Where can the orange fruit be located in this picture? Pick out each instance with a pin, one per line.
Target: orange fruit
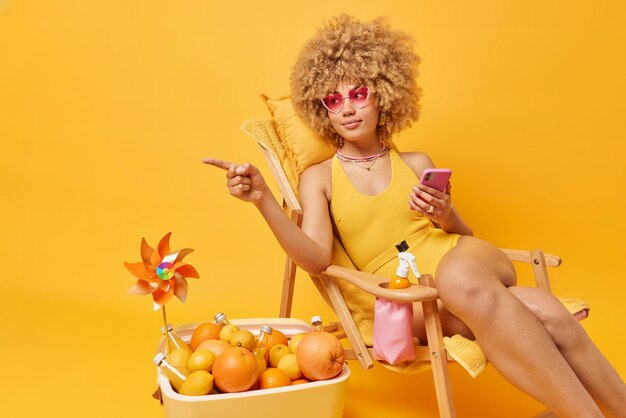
(320, 356)
(203, 332)
(300, 381)
(273, 378)
(235, 370)
(276, 337)
(216, 346)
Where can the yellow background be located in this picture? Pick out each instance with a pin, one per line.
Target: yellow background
(107, 107)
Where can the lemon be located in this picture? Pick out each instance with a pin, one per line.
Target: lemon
(289, 365)
(197, 383)
(178, 357)
(243, 338)
(295, 340)
(227, 332)
(201, 360)
(277, 352)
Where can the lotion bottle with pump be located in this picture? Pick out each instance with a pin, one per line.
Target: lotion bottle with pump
(401, 280)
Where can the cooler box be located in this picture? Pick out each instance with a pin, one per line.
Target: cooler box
(321, 399)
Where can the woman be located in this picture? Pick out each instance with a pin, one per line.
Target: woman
(355, 82)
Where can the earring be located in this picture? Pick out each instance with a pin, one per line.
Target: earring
(382, 119)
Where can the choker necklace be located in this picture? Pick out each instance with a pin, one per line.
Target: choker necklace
(365, 159)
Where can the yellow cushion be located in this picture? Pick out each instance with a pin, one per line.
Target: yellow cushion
(303, 146)
(264, 131)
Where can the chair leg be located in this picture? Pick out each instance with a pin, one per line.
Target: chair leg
(343, 313)
(289, 278)
(438, 356)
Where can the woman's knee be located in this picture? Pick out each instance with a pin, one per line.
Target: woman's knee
(465, 288)
(473, 272)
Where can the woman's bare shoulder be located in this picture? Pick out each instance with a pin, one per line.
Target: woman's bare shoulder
(418, 161)
(320, 169)
(317, 176)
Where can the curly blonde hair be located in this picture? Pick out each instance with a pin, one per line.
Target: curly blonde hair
(350, 51)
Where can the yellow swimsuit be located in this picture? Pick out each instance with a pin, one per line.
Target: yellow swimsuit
(370, 226)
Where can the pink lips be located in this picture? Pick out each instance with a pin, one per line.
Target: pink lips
(351, 124)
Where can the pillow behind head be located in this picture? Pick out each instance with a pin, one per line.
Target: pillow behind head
(303, 146)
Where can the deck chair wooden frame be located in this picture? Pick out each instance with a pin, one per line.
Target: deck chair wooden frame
(424, 292)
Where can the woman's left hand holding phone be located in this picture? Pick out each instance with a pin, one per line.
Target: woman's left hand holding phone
(432, 203)
(244, 181)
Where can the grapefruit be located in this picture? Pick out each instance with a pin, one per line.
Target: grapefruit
(320, 356)
(235, 370)
(216, 346)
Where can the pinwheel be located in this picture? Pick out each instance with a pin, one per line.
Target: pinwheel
(161, 273)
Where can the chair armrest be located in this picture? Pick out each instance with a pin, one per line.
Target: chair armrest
(539, 262)
(526, 257)
(371, 283)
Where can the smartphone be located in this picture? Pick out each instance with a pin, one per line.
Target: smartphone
(437, 178)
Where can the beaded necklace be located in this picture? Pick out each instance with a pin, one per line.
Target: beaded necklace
(366, 159)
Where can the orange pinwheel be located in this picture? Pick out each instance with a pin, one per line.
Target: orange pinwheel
(161, 273)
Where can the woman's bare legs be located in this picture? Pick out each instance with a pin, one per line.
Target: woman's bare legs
(591, 367)
(472, 280)
(593, 370)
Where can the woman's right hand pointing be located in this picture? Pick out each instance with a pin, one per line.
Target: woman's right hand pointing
(244, 181)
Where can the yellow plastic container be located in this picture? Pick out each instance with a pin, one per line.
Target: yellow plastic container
(322, 399)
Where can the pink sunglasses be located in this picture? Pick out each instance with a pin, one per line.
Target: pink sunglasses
(357, 96)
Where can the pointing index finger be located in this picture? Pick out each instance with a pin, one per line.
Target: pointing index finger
(224, 165)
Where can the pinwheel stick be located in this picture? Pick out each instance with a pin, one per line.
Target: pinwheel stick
(164, 321)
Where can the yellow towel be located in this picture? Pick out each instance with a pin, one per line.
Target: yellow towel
(577, 307)
(467, 353)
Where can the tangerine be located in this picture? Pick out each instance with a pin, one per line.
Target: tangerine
(300, 381)
(273, 378)
(203, 332)
(276, 337)
(320, 356)
(235, 370)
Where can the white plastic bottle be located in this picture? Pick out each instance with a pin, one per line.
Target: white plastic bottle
(401, 281)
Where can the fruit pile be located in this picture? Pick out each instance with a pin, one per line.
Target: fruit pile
(224, 359)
